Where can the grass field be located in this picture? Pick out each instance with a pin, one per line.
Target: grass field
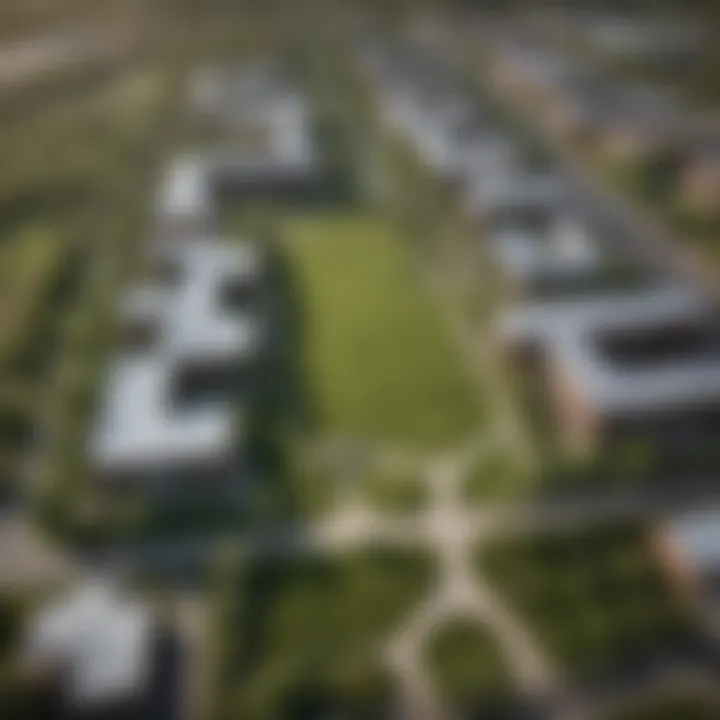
(467, 667)
(303, 638)
(595, 598)
(380, 365)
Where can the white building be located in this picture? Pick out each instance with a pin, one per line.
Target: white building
(99, 645)
(537, 258)
(646, 360)
(169, 409)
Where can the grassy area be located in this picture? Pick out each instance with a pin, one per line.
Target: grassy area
(378, 359)
(671, 707)
(394, 492)
(594, 597)
(301, 638)
(496, 475)
(466, 665)
(20, 697)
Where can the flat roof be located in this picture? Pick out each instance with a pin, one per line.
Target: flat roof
(568, 330)
(101, 638)
(184, 189)
(139, 426)
(565, 248)
(544, 321)
(506, 187)
(258, 96)
(697, 536)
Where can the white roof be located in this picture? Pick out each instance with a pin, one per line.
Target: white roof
(689, 382)
(566, 249)
(502, 188)
(139, 430)
(101, 638)
(568, 331)
(252, 97)
(544, 321)
(697, 536)
(185, 189)
(139, 427)
(446, 133)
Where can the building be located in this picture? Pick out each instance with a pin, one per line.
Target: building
(184, 206)
(688, 548)
(532, 76)
(262, 143)
(445, 130)
(620, 124)
(170, 412)
(500, 192)
(547, 257)
(642, 362)
(99, 647)
(422, 101)
(659, 39)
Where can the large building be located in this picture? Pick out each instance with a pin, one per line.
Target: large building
(98, 647)
(554, 255)
(422, 101)
(170, 412)
(502, 192)
(262, 144)
(641, 362)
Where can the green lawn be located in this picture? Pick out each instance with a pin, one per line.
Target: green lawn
(302, 638)
(395, 492)
(593, 597)
(465, 663)
(497, 475)
(379, 361)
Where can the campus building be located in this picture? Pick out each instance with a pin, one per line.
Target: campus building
(170, 413)
(262, 145)
(423, 102)
(546, 255)
(98, 648)
(502, 192)
(641, 362)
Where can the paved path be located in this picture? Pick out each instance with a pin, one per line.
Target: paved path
(462, 591)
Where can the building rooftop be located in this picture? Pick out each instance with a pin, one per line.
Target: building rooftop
(499, 187)
(269, 118)
(543, 322)
(564, 248)
(141, 424)
(184, 189)
(672, 362)
(647, 109)
(100, 638)
(697, 537)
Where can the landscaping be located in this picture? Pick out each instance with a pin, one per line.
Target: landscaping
(394, 492)
(301, 636)
(496, 476)
(594, 598)
(464, 661)
(379, 362)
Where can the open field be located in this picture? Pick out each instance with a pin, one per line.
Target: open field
(595, 599)
(379, 362)
(302, 638)
(466, 665)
